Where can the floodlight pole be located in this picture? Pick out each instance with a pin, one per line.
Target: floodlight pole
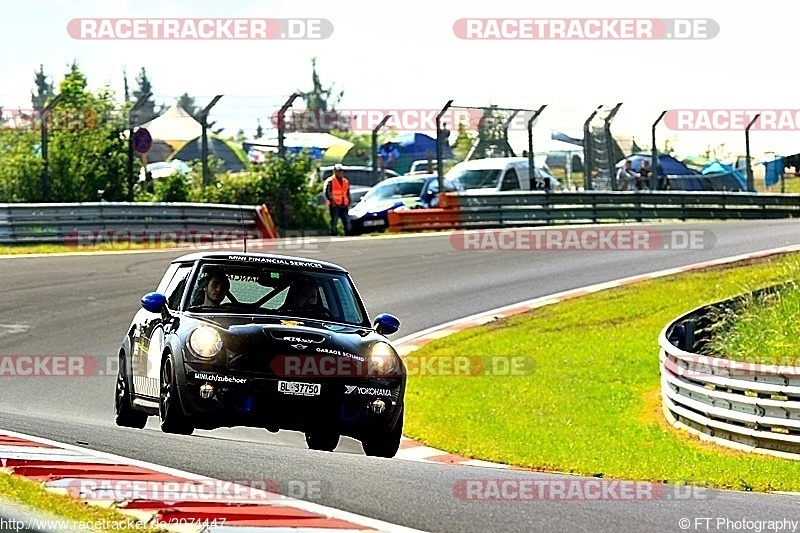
(654, 151)
(531, 172)
(45, 161)
(751, 186)
(587, 150)
(204, 138)
(282, 123)
(610, 145)
(375, 143)
(136, 106)
(439, 150)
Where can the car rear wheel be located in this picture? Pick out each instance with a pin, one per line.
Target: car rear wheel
(322, 439)
(124, 413)
(385, 442)
(169, 409)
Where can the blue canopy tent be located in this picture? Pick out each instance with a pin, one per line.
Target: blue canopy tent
(724, 177)
(409, 147)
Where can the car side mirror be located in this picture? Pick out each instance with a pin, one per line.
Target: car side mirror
(154, 302)
(386, 324)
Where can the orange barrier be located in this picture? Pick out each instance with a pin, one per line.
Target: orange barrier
(424, 219)
(265, 224)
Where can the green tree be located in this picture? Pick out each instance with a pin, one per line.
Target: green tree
(44, 90)
(87, 152)
(188, 104)
(259, 129)
(320, 98)
(463, 143)
(147, 111)
(320, 104)
(20, 180)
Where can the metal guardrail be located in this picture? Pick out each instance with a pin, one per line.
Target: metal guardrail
(532, 208)
(58, 223)
(755, 406)
(539, 207)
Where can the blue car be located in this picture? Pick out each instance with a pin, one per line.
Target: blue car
(408, 192)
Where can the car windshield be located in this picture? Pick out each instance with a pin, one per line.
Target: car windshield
(261, 289)
(477, 179)
(395, 189)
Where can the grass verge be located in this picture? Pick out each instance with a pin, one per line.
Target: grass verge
(67, 509)
(763, 329)
(22, 249)
(591, 405)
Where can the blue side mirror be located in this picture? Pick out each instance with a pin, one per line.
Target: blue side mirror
(386, 324)
(154, 302)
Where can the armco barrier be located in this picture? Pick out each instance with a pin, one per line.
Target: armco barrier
(743, 405)
(54, 223)
(532, 208)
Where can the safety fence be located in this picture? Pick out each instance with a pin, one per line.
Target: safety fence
(531, 208)
(746, 405)
(135, 222)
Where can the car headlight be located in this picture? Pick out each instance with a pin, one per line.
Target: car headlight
(383, 361)
(205, 342)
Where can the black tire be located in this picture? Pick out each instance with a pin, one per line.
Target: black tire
(322, 439)
(124, 413)
(169, 408)
(384, 443)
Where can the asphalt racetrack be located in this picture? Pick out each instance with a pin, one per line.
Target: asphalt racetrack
(83, 304)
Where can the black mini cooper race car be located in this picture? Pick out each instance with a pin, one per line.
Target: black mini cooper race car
(243, 339)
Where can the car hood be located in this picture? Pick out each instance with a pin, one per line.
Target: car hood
(259, 345)
(382, 206)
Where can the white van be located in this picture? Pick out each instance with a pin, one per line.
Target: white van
(500, 174)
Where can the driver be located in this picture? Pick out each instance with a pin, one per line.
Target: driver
(215, 287)
(305, 294)
(302, 295)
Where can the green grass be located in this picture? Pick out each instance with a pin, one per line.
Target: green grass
(64, 507)
(764, 329)
(592, 404)
(20, 249)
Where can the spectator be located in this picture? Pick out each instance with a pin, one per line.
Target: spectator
(337, 192)
(645, 174)
(626, 178)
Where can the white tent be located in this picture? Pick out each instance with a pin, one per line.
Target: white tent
(176, 127)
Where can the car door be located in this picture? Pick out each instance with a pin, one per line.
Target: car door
(146, 359)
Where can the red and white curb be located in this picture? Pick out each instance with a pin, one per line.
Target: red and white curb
(415, 451)
(155, 492)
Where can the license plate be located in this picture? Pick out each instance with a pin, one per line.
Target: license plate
(376, 222)
(299, 389)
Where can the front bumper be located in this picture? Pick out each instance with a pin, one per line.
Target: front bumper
(240, 400)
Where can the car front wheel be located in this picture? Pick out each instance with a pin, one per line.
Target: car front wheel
(169, 409)
(322, 439)
(124, 414)
(384, 442)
